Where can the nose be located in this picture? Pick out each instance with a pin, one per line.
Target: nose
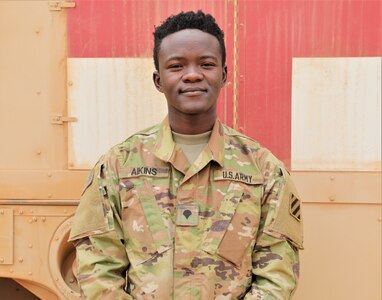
(192, 74)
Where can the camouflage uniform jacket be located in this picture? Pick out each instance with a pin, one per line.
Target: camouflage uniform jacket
(152, 226)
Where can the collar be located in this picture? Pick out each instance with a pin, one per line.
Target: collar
(166, 149)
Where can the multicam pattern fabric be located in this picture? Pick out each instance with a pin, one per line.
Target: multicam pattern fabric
(152, 226)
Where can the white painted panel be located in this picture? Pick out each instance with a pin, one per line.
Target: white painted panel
(336, 114)
(112, 99)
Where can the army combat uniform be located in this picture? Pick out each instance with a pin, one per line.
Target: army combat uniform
(152, 226)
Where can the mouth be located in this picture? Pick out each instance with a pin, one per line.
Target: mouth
(194, 91)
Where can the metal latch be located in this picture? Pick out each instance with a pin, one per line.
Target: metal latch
(59, 119)
(58, 5)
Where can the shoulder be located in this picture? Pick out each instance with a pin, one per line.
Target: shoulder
(231, 135)
(133, 144)
(262, 156)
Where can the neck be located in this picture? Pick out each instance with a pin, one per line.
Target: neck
(192, 124)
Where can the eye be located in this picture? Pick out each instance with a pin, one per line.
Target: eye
(175, 66)
(208, 65)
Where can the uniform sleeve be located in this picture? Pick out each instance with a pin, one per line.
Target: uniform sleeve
(275, 259)
(96, 232)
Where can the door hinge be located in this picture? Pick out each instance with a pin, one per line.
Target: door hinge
(59, 119)
(60, 4)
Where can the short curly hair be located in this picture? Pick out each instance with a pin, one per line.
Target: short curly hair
(188, 20)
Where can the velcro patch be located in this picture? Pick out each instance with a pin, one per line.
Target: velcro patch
(295, 207)
(143, 171)
(187, 214)
(238, 176)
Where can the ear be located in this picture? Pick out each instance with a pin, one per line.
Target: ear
(156, 80)
(224, 77)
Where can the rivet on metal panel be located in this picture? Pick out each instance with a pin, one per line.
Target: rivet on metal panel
(1, 212)
(11, 270)
(37, 31)
(56, 238)
(43, 219)
(30, 273)
(65, 211)
(379, 219)
(38, 92)
(38, 152)
(34, 219)
(332, 198)
(49, 195)
(31, 211)
(30, 220)
(49, 174)
(21, 259)
(1, 260)
(30, 245)
(71, 164)
(70, 83)
(21, 212)
(332, 178)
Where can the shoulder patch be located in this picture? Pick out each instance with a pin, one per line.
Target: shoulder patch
(287, 216)
(295, 207)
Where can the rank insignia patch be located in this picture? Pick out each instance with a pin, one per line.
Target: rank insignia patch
(187, 214)
(295, 207)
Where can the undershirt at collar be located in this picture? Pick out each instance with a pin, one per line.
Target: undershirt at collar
(192, 144)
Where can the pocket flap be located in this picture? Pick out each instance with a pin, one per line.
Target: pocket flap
(146, 233)
(221, 222)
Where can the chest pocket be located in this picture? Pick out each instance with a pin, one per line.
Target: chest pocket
(146, 235)
(233, 229)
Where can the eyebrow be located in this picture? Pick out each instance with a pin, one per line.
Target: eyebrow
(182, 57)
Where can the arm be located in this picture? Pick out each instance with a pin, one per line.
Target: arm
(275, 256)
(101, 256)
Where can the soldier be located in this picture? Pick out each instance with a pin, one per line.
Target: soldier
(189, 208)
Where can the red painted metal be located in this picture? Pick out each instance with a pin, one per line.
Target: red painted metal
(271, 33)
(118, 28)
(274, 32)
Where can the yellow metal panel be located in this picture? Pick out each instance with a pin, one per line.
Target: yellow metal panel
(42, 184)
(105, 95)
(34, 229)
(336, 113)
(6, 236)
(342, 255)
(32, 85)
(339, 187)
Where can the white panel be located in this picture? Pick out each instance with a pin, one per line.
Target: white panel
(112, 99)
(336, 114)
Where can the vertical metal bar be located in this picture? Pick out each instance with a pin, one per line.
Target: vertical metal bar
(235, 63)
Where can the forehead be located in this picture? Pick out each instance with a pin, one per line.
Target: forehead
(189, 41)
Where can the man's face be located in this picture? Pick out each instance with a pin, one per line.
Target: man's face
(190, 72)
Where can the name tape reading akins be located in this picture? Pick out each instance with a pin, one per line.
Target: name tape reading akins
(143, 171)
